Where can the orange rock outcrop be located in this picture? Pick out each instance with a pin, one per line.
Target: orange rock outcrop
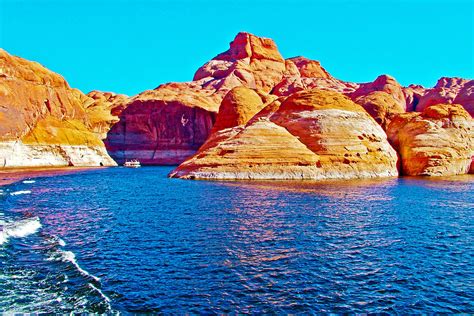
(250, 112)
(311, 134)
(436, 142)
(43, 122)
(449, 90)
(168, 124)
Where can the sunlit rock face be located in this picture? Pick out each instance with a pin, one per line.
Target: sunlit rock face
(168, 124)
(313, 134)
(449, 90)
(304, 74)
(43, 122)
(151, 128)
(436, 142)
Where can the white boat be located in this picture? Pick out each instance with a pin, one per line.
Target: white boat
(132, 163)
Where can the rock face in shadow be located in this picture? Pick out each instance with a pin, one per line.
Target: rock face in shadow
(163, 126)
(436, 142)
(311, 134)
(43, 122)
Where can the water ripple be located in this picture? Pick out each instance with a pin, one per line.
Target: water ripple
(135, 241)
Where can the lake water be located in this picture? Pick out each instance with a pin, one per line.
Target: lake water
(132, 240)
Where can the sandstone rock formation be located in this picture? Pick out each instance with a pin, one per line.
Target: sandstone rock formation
(274, 120)
(311, 134)
(413, 94)
(305, 74)
(437, 142)
(449, 90)
(251, 61)
(164, 126)
(380, 105)
(169, 124)
(43, 121)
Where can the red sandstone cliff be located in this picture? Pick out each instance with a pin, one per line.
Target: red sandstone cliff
(168, 124)
(43, 122)
(438, 141)
(312, 134)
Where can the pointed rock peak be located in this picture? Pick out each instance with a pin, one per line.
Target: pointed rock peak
(309, 68)
(246, 45)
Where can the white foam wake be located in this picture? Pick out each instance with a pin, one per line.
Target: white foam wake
(20, 192)
(19, 229)
(100, 292)
(71, 257)
(29, 181)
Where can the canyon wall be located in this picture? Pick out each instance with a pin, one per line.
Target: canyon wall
(247, 113)
(44, 122)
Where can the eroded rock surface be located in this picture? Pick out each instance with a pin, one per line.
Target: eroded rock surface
(311, 134)
(436, 142)
(43, 121)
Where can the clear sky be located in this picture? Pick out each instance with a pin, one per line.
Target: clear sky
(131, 46)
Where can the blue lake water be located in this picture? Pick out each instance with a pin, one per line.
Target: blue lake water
(132, 240)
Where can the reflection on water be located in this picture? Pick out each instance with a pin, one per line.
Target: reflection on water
(133, 240)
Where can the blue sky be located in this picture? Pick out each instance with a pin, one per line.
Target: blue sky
(131, 46)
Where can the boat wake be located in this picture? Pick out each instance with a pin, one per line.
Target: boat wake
(29, 181)
(68, 257)
(19, 229)
(20, 192)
